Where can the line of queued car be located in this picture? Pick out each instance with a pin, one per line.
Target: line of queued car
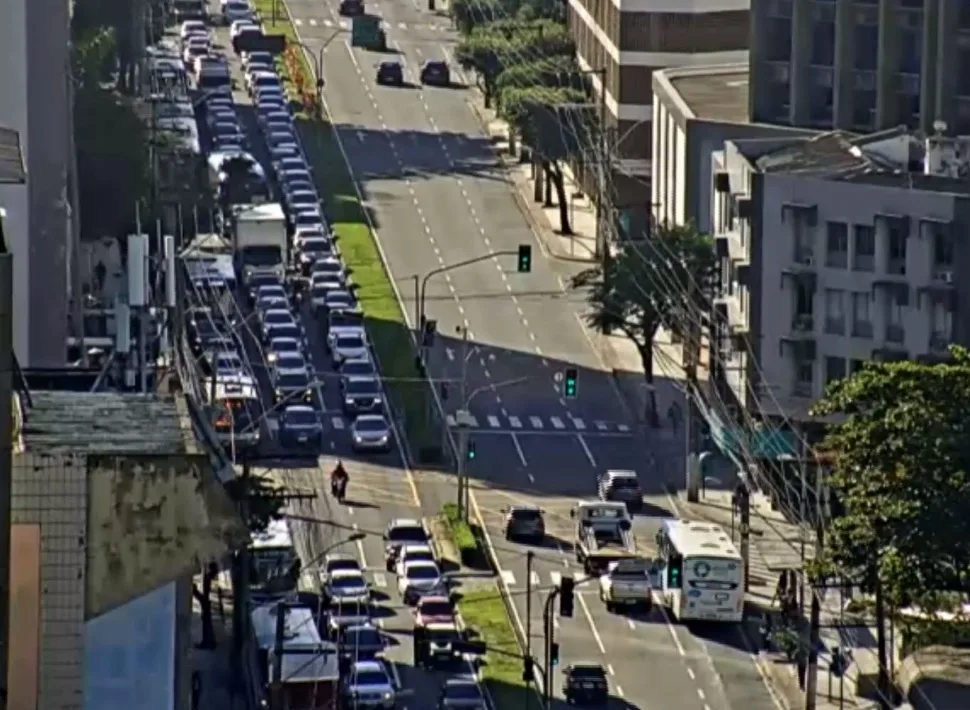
(348, 600)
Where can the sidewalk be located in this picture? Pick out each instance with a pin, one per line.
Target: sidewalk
(221, 690)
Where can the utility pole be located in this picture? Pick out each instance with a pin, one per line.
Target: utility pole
(276, 696)
(529, 558)
(815, 619)
(6, 459)
(240, 607)
(742, 499)
(464, 424)
(550, 640)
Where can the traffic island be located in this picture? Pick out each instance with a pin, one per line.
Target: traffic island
(406, 385)
(465, 538)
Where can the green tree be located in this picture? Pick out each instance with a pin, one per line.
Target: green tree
(558, 70)
(647, 284)
(469, 14)
(902, 474)
(263, 503)
(490, 48)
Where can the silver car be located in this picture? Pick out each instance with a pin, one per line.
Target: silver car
(368, 685)
(337, 562)
(331, 268)
(345, 586)
(463, 693)
(348, 346)
(370, 432)
(340, 615)
(418, 579)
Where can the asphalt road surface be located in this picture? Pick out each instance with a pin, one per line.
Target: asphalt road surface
(434, 183)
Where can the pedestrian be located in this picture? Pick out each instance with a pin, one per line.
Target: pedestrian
(196, 689)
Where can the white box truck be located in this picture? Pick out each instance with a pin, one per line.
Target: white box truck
(260, 236)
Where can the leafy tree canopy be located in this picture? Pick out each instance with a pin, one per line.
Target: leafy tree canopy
(902, 473)
(469, 14)
(558, 70)
(646, 285)
(491, 48)
(520, 106)
(264, 501)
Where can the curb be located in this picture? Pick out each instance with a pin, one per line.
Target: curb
(525, 207)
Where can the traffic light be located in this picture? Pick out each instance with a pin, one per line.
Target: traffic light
(566, 585)
(471, 450)
(571, 382)
(528, 670)
(525, 258)
(554, 653)
(674, 565)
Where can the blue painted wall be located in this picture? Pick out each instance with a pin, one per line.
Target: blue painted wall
(129, 655)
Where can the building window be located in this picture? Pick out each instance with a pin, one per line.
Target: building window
(804, 301)
(862, 314)
(823, 43)
(837, 245)
(941, 323)
(942, 246)
(856, 366)
(897, 250)
(779, 46)
(834, 369)
(834, 311)
(963, 77)
(863, 108)
(865, 47)
(804, 378)
(864, 248)
(910, 50)
(895, 332)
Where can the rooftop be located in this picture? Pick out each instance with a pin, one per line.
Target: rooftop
(894, 158)
(102, 423)
(713, 93)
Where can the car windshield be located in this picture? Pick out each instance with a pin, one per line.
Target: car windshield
(327, 267)
(350, 342)
(436, 608)
(371, 678)
(362, 387)
(345, 320)
(340, 299)
(363, 637)
(348, 582)
(301, 416)
(421, 572)
(294, 380)
(587, 673)
(290, 330)
(350, 608)
(227, 362)
(303, 198)
(284, 345)
(407, 534)
(290, 361)
(337, 565)
(357, 367)
(371, 425)
(443, 635)
(463, 691)
(625, 482)
(278, 317)
(415, 555)
(258, 281)
(316, 246)
(525, 514)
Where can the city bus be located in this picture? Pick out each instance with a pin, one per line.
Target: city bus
(274, 563)
(701, 572)
(237, 413)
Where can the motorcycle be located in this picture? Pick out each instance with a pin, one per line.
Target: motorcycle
(338, 488)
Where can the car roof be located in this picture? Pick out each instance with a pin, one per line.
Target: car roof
(436, 598)
(361, 378)
(461, 681)
(369, 666)
(422, 563)
(442, 626)
(299, 408)
(405, 523)
(414, 546)
(524, 507)
(347, 573)
(371, 418)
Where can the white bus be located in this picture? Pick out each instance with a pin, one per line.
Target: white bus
(702, 572)
(275, 564)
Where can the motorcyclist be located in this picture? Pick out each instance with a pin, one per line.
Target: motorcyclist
(339, 480)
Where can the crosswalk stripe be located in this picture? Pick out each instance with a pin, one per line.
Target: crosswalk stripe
(534, 578)
(451, 420)
(338, 423)
(602, 426)
(515, 422)
(494, 422)
(380, 580)
(536, 422)
(556, 578)
(508, 577)
(557, 423)
(472, 422)
(298, 22)
(579, 423)
(313, 23)
(623, 427)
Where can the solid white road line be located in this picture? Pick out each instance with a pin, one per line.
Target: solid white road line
(360, 548)
(592, 624)
(518, 450)
(589, 454)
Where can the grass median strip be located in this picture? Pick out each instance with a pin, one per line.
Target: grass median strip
(386, 325)
(483, 610)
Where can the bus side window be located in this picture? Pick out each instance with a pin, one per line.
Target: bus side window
(675, 564)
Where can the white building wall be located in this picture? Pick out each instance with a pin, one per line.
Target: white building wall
(51, 490)
(852, 204)
(14, 198)
(669, 185)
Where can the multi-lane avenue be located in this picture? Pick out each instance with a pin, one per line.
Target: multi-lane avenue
(438, 195)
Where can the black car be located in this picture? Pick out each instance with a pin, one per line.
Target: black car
(390, 73)
(585, 684)
(361, 642)
(360, 394)
(524, 522)
(300, 426)
(292, 386)
(436, 73)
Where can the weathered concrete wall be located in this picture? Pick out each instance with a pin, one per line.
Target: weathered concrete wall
(152, 519)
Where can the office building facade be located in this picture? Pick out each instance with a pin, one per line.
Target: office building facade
(861, 65)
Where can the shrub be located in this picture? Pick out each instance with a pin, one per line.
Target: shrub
(462, 536)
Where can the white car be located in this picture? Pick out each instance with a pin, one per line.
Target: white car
(195, 49)
(235, 11)
(259, 78)
(329, 269)
(240, 26)
(248, 58)
(413, 553)
(193, 28)
(418, 579)
(337, 562)
(348, 346)
(346, 587)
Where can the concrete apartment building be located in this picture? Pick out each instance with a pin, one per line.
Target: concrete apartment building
(34, 39)
(861, 65)
(628, 40)
(836, 250)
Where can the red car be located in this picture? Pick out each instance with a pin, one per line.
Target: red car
(434, 610)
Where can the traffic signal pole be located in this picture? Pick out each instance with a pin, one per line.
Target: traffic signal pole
(549, 640)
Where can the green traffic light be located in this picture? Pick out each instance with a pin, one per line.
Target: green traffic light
(471, 450)
(571, 383)
(525, 258)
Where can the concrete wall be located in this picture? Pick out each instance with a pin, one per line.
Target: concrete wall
(49, 491)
